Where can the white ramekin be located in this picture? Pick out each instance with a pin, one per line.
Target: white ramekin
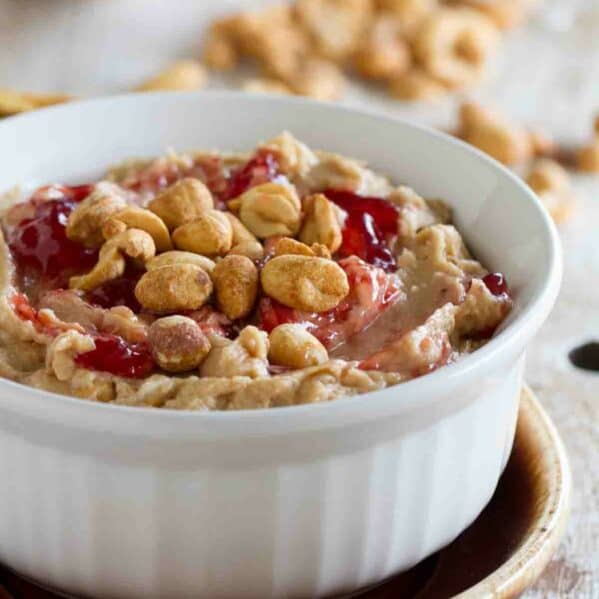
(107, 501)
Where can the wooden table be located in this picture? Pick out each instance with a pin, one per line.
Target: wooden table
(546, 75)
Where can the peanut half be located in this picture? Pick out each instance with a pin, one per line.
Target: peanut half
(182, 202)
(305, 283)
(321, 224)
(174, 288)
(138, 218)
(291, 345)
(235, 281)
(209, 234)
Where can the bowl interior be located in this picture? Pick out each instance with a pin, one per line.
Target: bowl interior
(501, 220)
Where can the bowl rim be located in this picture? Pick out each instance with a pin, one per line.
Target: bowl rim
(418, 392)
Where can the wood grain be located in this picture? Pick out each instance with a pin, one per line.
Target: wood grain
(547, 75)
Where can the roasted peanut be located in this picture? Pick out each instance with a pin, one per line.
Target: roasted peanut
(251, 249)
(384, 54)
(14, 102)
(317, 79)
(181, 75)
(235, 281)
(270, 209)
(174, 288)
(240, 232)
(409, 13)
(548, 175)
(291, 345)
(178, 257)
(210, 234)
(295, 158)
(305, 283)
(587, 158)
(135, 243)
(177, 343)
(287, 245)
(220, 52)
(84, 224)
(493, 134)
(453, 45)
(182, 202)
(416, 85)
(321, 223)
(133, 217)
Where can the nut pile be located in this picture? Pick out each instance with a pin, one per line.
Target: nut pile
(194, 254)
(417, 49)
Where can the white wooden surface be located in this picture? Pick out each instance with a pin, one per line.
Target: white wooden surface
(546, 75)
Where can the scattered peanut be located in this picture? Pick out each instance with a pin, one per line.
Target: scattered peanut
(291, 345)
(182, 202)
(174, 288)
(84, 224)
(552, 184)
(416, 85)
(317, 79)
(210, 234)
(265, 85)
(321, 223)
(181, 75)
(138, 218)
(271, 209)
(177, 343)
(235, 281)
(305, 283)
(587, 158)
(14, 102)
(178, 257)
(251, 249)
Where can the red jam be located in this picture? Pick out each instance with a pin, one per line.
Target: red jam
(262, 168)
(370, 224)
(119, 291)
(39, 244)
(496, 284)
(371, 292)
(114, 355)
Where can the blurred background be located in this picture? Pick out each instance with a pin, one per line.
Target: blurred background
(541, 74)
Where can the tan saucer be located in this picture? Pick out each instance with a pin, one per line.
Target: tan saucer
(504, 551)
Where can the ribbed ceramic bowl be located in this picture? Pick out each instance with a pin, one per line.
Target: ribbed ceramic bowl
(99, 500)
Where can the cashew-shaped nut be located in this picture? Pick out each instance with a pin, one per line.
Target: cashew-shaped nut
(209, 234)
(174, 288)
(178, 257)
(454, 44)
(291, 345)
(182, 202)
(235, 281)
(270, 209)
(305, 283)
(321, 224)
(134, 243)
(133, 217)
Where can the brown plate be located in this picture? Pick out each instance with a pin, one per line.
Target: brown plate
(504, 550)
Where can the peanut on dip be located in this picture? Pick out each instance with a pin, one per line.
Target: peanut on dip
(209, 281)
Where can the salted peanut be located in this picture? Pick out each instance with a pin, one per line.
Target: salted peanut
(541, 143)
(587, 158)
(384, 53)
(318, 79)
(84, 224)
(241, 233)
(235, 281)
(181, 75)
(265, 85)
(251, 249)
(177, 343)
(220, 52)
(453, 45)
(174, 288)
(295, 158)
(493, 134)
(14, 102)
(321, 251)
(134, 243)
(270, 209)
(288, 245)
(416, 85)
(548, 175)
(305, 283)
(334, 26)
(182, 202)
(179, 257)
(321, 223)
(291, 345)
(409, 13)
(210, 234)
(133, 217)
